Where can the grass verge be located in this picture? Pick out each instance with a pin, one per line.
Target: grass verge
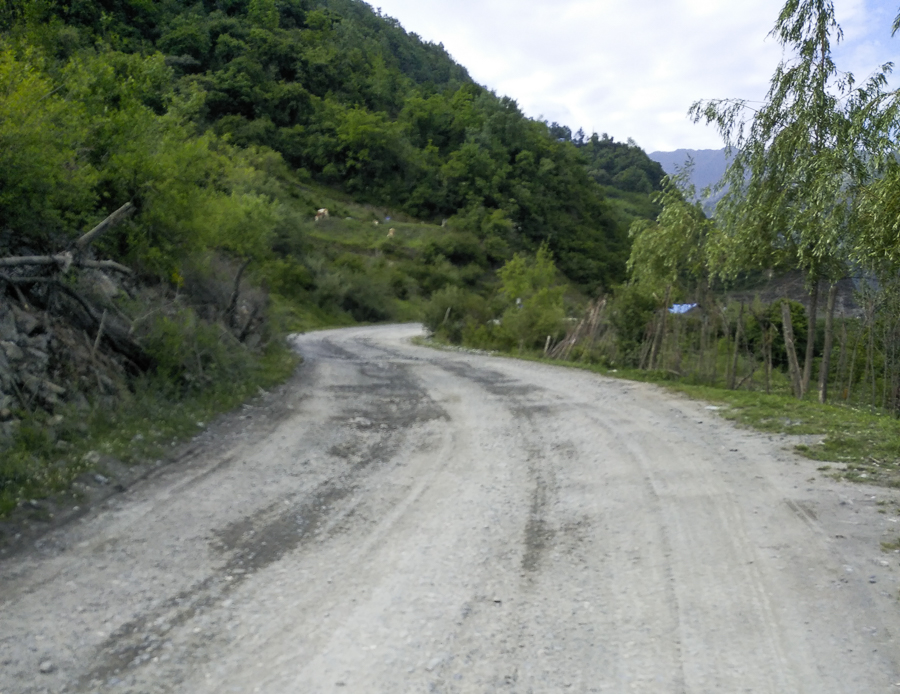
(49, 453)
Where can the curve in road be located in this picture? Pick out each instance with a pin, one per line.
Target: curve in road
(398, 519)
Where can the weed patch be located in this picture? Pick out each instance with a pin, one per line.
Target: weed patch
(48, 453)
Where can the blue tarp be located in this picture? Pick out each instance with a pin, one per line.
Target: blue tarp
(681, 308)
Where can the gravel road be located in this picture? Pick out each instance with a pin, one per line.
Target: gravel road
(399, 519)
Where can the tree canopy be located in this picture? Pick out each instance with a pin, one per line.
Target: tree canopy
(350, 99)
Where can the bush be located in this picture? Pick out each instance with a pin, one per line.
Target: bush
(631, 311)
(452, 311)
(534, 302)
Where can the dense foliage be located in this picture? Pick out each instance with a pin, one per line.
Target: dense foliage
(348, 99)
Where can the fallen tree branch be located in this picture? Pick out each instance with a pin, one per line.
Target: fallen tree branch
(63, 261)
(22, 260)
(104, 226)
(105, 265)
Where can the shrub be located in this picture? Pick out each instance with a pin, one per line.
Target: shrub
(452, 310)
(631, 311)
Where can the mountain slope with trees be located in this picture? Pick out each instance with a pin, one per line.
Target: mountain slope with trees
(350, 100)
(222, 127)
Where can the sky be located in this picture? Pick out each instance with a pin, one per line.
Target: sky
(632, 68)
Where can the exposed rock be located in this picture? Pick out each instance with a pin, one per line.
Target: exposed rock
(27, 322)
(38, 355)
(98, 283)
(31, 383)
(51, 387)
(6, 374)
(8, 331)
(12, 351)
(40, 342)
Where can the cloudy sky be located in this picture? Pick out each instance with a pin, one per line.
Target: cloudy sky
(631, 69)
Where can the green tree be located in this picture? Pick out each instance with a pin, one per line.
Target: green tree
(46, 179)
(534, 300)
(794, 161)
(673, 250)
(263, 14)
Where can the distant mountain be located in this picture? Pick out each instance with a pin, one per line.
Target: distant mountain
(709, 167)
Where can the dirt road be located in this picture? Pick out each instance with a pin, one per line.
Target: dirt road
(398, 519)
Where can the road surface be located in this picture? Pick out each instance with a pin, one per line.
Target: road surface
(400, 519)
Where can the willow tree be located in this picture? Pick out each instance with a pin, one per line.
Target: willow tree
(795, 162)
(670, 253)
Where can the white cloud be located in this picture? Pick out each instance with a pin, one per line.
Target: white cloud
(630, 69)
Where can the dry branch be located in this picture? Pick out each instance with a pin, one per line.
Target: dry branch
(117, 338)
(123, 212)
(63, 261)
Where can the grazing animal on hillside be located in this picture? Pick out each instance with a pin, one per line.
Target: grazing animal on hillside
(376, 223)
(322, 214)
(391, 233)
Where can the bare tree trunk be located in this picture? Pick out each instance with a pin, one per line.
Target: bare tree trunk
(647, 345)
(231, 311)
(767, 350)
(732, 377)
(791, 350)
(810, 337)
(825, 367)
(870, 351)
(704, 343)
(842, 362)
(661, 333)
(853, 363)
(715, 346)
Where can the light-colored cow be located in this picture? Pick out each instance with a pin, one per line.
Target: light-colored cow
(322, 214)
(391, 233)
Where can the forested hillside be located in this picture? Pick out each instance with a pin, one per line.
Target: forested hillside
(218, 129)
(348, 99)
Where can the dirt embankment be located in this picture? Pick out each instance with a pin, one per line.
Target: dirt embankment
(399, 519)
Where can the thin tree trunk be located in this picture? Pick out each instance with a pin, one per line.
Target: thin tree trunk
(767, 350)
(732, 378)
(661, 334)
(647, 345)
(842, 363)
(826, 349)
(870, 351)
(715, 347)
(704, 340)
(791, 350)
(852, 368)
(810, 337)
(231, 311)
